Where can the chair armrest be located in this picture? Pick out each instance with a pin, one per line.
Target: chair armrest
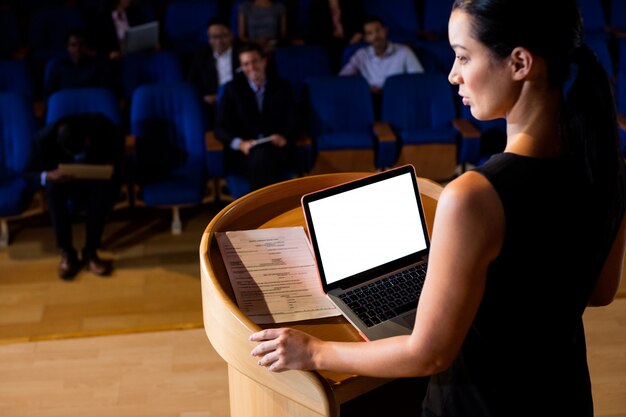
(466, 128)
(303, 157)
(617, 32)
(304, 140)
(129, 144)
(621, 121)
(386, 147)
(383, 132)
(39, 109)
(211, 143)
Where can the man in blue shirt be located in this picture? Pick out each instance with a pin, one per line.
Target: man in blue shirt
(381, 58)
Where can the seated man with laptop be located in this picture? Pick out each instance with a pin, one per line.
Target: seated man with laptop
(79, 161)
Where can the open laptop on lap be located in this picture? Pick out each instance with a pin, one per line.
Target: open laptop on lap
(141, 37)
(371, 244)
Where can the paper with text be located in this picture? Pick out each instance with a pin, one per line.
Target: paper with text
(273, 275)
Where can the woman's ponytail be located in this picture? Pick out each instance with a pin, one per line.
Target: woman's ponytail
(589, 124)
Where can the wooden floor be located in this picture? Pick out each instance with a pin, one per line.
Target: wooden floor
(160, 374)
(132, 344)
(155, 284)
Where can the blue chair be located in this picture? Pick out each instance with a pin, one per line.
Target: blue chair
(492, 139)
(185, 24)
(83, 100)
(89, 100)
(10, 38)
(17, 126)
(15, 77)
(301, 18)
(435, 18)
(601, 48)
(620, 99)
(435, 55)
(50, 65)
(400, 18)
(343, 126)
(350, 49)
(420, 110)
(617, 15)
(215, 149)
(234, 16)
(166, 121)
(48, 29)
(149, 67)
(594, 19)
(298, 62)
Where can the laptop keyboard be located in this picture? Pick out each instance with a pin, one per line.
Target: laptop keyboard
(385, 299)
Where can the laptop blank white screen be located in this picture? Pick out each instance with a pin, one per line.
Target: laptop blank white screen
(361, 229)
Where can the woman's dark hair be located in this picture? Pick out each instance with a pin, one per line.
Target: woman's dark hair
(553, 30)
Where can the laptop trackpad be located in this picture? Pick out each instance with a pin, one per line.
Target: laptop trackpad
(406, 320)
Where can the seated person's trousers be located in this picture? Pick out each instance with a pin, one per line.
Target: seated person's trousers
(96, 198)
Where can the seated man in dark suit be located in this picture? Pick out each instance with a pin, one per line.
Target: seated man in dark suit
(85, 139)
(214, 64)
(256, 122)
(79, 69)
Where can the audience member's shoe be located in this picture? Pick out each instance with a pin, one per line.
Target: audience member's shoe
(96, 265)
(69, 265)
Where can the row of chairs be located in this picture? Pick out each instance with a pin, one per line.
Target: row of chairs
(294, 63)
(184, 22)
(166, 121)
(169, 115)
(137, 69)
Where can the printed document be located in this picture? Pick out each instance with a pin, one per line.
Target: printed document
(273, 275)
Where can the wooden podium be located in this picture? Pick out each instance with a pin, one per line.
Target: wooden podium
(254, 391)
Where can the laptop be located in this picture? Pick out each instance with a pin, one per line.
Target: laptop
(370, 243)
(141, 37)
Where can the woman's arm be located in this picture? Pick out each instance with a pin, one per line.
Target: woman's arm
(610, 277)
(467, 236)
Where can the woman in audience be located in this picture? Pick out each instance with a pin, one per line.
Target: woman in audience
(521, 245)
(263, 22)
(112, 25)
(109, 32)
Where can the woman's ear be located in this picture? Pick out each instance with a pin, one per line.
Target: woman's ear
(521, 63)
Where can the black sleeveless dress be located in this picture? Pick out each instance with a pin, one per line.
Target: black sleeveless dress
(525, 352)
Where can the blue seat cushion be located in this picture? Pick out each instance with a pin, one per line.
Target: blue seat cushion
(428, 136)
(172, 192)
(337, 141)
(469, 151)
(214, 163)
(15, 195)
(238, 186)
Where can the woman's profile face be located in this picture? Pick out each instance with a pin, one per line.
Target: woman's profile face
(484, 81)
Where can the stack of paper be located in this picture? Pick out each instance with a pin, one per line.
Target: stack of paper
(273, 275)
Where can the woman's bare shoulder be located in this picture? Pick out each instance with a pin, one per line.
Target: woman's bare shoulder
(470, 188)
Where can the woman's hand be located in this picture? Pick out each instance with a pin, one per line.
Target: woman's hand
(284, 349)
